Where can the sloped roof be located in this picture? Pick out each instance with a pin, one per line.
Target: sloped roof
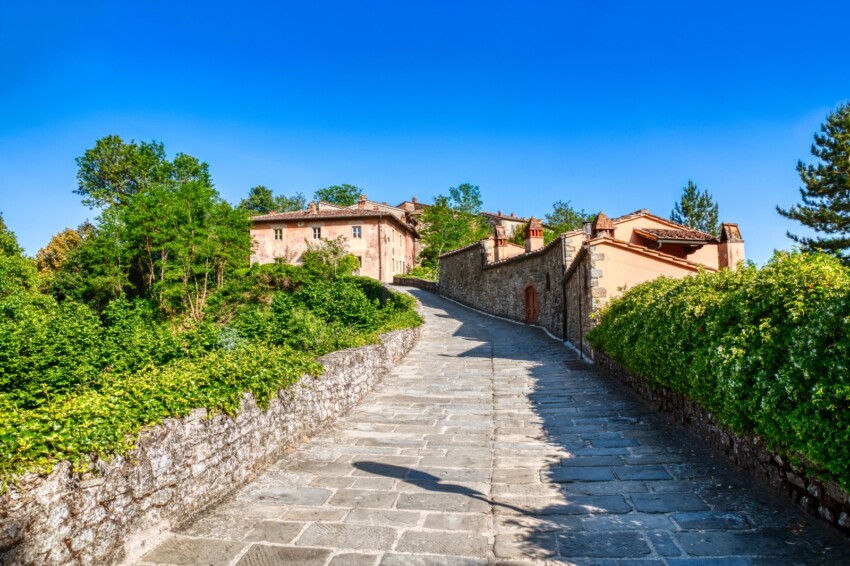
(673, 235)
(330, 214)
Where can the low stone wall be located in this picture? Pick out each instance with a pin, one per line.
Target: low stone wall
(416, 282)
(178, 468)
(825, 500)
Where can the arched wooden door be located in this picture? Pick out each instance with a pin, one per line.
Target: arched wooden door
(532, 308)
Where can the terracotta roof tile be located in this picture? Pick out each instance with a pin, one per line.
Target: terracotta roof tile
(669, 234)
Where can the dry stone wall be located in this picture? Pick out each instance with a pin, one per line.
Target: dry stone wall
(178, 468)
(499, 288)
(825, 500)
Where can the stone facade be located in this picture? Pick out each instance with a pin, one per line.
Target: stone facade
(526, 288)
(825, 500)
(178, 468)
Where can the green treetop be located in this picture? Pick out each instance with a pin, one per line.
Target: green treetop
(452, 222)
(342, 195)
(261, 200)
(697, 210)
(825, 196)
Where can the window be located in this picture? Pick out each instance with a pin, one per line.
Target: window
(356, 232)
(359, 264)
(317, 233)
(548, 284)
(278, 233)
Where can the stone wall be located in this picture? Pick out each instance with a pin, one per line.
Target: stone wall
(825, 500)
(416, 282)
(178, 468)
(500, 288)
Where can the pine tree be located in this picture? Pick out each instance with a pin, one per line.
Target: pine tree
(826, 195)
(696, 209)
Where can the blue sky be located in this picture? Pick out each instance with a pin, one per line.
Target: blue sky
(610, 105)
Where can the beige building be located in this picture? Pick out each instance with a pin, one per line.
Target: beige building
(560, 285)
(379, 235)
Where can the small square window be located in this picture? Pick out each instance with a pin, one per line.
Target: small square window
(317, 233)
(278, 233)
(356, 232)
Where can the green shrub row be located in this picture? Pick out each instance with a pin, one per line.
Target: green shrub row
(766, 350)
(78, 384)
(95, 423)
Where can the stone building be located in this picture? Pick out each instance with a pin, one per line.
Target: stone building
(559, 285)
(379, 235)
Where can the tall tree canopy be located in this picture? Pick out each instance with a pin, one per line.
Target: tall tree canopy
(342, 195)
(453, 221)
(564, 218)
(261, 200)
(164, 232)
(17, 273)
(825, 196)
(696, 209)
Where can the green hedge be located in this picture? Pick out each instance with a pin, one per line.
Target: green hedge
(767, 350)
(78, 384)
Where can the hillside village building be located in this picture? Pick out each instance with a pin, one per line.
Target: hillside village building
(559, 285)
(382, 237)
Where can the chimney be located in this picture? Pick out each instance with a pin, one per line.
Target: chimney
(731, 249)
(415, 200)
(602, 227)
(513, 215)
(533, 235)
(312, 208)
(501, 244)
(361, 204)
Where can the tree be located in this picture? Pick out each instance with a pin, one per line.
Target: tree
(452, 222)
(261, 200)
(564, 218)
(51, 258)
(164, 232)
(113, 171)
(341, 195)
(697, 210)
(826, 195)
(288, 204)
(17, 273)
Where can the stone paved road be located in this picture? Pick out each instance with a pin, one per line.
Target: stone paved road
(492, 444)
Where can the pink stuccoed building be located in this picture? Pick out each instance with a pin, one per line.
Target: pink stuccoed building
(381, 236)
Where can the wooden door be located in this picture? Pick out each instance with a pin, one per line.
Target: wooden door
(532, 309)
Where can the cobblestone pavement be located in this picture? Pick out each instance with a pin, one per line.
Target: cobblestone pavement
(492, 444)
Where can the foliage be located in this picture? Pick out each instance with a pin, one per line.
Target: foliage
(423, 272)
(453, 221)
(51, 258)
(564, 218)
(329, 258)
(164, 232)
(826, 195)
(108, 351)
(341, 195)
(697, 210)
(99, 423)
(261, 200)
(17, 273)
(765, 350)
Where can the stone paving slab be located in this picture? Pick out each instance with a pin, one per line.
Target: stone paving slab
(490, 443)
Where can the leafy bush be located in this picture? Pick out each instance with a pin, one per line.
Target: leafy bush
(78, 384)
(765, 350)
